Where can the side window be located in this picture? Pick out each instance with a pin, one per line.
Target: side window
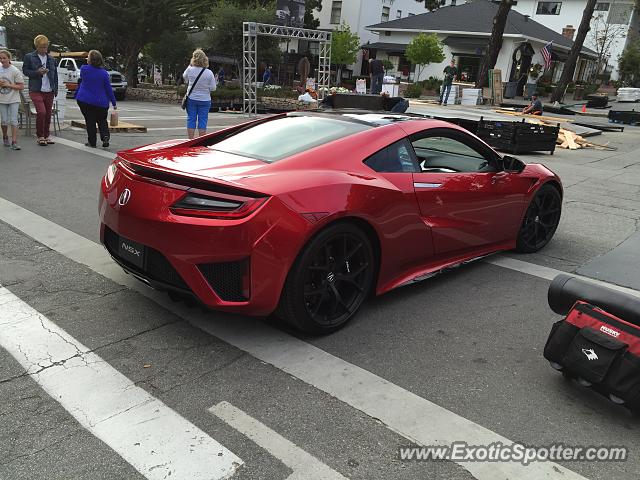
(444, 154)
(63, 64)
(397, 157)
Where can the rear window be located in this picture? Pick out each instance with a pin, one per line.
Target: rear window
(281, 138)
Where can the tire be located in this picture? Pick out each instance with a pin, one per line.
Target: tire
(329, 280)
(540, 220)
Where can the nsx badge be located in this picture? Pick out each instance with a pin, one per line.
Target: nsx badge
(132, 250)
(124, 197)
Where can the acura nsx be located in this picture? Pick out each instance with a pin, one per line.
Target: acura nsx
(305, 214)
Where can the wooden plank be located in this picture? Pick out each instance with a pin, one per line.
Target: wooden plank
(571, 140)
(544, 118)
(122, 127)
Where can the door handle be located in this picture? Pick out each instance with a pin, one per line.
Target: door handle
(499, 177)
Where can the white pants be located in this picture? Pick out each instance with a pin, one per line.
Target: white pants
(9, 113)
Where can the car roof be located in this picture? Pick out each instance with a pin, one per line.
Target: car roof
(366, 117)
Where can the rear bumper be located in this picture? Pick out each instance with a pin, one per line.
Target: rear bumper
(233, 265)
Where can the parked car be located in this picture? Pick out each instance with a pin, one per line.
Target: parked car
(627, 94)
(305, 214)
(69, 73)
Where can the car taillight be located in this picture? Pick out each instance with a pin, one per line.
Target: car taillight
(111, 173)
(222, 207)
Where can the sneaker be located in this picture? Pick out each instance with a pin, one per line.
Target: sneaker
(5, 140)
(89, 145)
(105, 143)
(15, 146)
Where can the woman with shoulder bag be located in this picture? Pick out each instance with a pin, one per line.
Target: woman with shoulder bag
(201, 82)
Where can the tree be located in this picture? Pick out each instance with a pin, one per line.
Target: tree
(629, 63)
(25, 19)
(172, 51)
(225, 28)
(344, 47)
(602, 35)
(309, 20)
(423, 50)
(495, 43)
(570, 64)
(430, 5)
(134, 23)
(388, 65)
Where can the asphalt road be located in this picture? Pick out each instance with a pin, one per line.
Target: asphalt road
(457, 357)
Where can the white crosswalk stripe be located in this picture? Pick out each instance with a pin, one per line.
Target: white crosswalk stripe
(152, 437)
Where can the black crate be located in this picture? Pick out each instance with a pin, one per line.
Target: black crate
(628, 118)
(597, 101)
(518, 137)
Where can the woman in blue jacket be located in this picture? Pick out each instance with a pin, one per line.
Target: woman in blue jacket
(93, 97)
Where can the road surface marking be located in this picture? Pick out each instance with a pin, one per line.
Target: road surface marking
(84, 148)
(549, 273)
(304, 465)
(413, 417)
(154, 439)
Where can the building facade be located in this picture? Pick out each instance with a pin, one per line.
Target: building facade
(614, 23)
(464, 31)
(358, 14)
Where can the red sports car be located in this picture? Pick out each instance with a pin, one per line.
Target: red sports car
(305, 214)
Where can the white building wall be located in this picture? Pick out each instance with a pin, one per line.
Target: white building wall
(359, 14)
(504, 62)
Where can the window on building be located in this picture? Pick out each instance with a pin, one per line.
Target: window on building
(602, 7)
(399, 14)
(620, 13)
(385, 14)
(549, 8)
(336, 12)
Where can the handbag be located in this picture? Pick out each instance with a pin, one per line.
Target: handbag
(113, 121)
(186, 95)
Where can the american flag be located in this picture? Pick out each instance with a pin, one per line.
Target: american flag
(546, 54)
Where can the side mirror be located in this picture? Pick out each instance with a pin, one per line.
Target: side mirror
(512, 164)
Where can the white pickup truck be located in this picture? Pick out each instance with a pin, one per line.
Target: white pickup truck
(69, 72)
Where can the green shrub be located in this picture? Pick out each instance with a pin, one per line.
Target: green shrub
(591, 88)
(224, 93)
(414, 90)
(431, 83)
(284, 92)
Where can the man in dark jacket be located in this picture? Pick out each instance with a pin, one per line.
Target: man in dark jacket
(41, 69)
(376, 68)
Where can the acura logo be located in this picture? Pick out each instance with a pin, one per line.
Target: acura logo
(124, 197)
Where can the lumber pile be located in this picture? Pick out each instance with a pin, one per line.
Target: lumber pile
(568, 139)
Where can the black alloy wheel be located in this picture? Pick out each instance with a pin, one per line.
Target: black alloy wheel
(541, 220)
(329, 281)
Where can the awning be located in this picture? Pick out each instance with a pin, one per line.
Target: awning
(559, 55)
(467, 43)
(387, 47)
